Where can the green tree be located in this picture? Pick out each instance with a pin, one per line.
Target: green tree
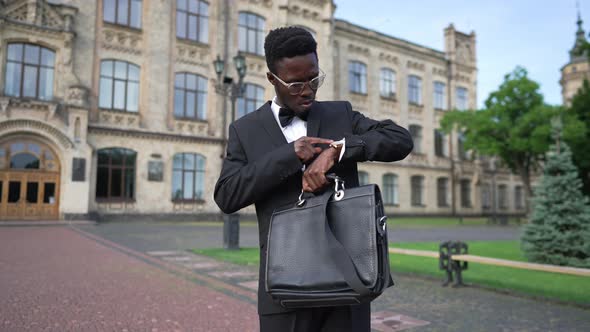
(579, 136)
(513, 125)
(559, 228)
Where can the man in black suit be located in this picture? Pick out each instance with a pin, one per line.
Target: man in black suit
(289, 144)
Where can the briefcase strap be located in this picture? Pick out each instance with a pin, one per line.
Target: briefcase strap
(341, 257)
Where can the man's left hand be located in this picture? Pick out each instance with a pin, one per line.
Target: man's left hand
(314, 177)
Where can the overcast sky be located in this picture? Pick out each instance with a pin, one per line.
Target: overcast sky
(535, 34)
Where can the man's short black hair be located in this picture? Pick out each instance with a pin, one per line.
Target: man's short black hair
(287, 42)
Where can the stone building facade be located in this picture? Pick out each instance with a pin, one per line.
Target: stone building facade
(109, 108)
(577, 69)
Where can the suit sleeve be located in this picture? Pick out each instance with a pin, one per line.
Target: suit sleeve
(373, 140)
(241, 181)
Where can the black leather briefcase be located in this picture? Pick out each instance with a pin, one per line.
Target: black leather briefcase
(329, 250)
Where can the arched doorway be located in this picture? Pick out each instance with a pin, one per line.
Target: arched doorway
(29, 180)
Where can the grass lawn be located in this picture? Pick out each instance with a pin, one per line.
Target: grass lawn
(550, 285)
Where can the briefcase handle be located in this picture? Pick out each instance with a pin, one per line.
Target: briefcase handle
(338, 189)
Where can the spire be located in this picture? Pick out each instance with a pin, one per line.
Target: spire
(578, 52)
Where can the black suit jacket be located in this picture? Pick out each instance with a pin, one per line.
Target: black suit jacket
(261, 168)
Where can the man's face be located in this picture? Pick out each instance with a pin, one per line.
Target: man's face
(301, 68)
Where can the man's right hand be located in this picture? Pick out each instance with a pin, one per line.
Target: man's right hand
(305, 149)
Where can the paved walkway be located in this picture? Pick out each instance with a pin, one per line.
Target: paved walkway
(55, 279)
(134, 277)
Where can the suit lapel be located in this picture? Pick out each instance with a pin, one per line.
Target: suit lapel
(271, 126)
(313, 121)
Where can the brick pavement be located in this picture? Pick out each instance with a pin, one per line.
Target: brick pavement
(55, 279)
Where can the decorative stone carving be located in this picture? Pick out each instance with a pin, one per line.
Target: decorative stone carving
(191, 128)
(296, 10)
(78, 96)
(388, 58)
(439, 71)
(20, 125)
(122, 41)
(462, 78)
(266, 3)
(359, 49)
(195, 55)
(119, 119)
(415, 65)
(315, 3)
(4, 102)
(40, 13)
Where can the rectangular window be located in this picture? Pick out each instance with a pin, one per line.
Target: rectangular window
(122, 12)
(192, 20)
(503, 197)
(49, 193)
(357, 76)
(416, 133)
(390, 189)
(415, 90)
(387, 83)
(251, 33)
(465, 193)
(439, 96)
(440, 148)
(462, 99)
(518, 197)
(14, 191)
(417, 183)
(442, 189)
(486, 197)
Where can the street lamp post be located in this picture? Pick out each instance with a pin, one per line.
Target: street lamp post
(228, 88)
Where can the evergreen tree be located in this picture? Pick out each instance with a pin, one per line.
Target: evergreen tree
(558, 232)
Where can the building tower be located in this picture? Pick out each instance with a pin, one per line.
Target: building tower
(577, 69)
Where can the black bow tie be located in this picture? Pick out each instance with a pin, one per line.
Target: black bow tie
(286, 116)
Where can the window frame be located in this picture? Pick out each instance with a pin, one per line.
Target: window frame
(393, 185)
(37, 67)
(258, 33)
(503, 197)
(461, 99)
(244, 100)
(129, 10)
(417, 190)
(442, 192)
(126, 81)
(387, 78)
(363, 175)
(199, 16)
(519, 197)
(439, 96)
(417, 136)
(196, 170)
(123, 167)
(357, 77)
(439, 144)
(465, 189)
(200, 115)
(415, 90)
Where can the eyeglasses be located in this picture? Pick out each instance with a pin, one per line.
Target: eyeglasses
(296, 88)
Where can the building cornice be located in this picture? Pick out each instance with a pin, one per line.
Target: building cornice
(109, 131)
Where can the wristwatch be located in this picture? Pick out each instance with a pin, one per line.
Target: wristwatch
(337, 145)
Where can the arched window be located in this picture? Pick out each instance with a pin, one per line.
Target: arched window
(357, 77)
(415, 90)
(252, 99)
(387, 83)
(417, 182)
(188, 177)
(390, 189)
(251, 33)
(363, 178)
(190, 96)
(29, 71)
(115, 176)
(192, 20)
(119, 86)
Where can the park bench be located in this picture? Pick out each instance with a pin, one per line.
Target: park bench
(453, 258)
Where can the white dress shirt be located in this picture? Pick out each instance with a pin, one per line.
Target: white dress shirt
(297, 128)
